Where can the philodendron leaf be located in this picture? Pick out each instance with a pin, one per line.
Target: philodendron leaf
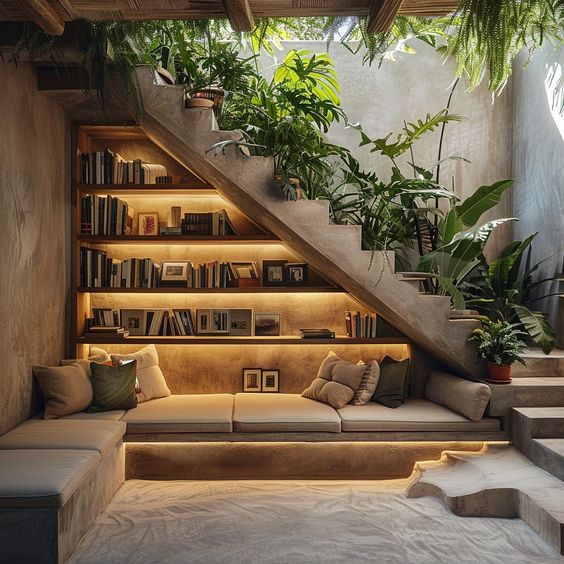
(537, 326)
(451, 225)
(483, 199)
(448, 286)
(482, 232)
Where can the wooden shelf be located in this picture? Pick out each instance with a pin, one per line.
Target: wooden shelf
(255, 290)
(262, 239)
(145, 189)
(215, 340)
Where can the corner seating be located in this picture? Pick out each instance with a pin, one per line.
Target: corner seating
(57, 476)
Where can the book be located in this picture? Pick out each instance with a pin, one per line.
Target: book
(316, 334)
(362, 326)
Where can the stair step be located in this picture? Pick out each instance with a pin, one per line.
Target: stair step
(539, 364)
(550, 456)
(495, 482)
(542, 422)
(526, 392)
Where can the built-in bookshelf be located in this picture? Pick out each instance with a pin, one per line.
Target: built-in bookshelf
(317, 302)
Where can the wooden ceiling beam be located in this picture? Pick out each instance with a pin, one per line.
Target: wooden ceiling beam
(42, 13)
(239, 14)
(382, 15)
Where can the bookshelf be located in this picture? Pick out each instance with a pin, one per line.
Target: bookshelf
(320, 303)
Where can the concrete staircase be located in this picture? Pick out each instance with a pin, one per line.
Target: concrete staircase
(304, 226)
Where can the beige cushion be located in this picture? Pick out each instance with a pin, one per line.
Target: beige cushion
(115, 415)
(64, 434)
(197, 413)
(152, 383)
(256, 413)
(96, 355)
(67, 389)
(43, 478)
(336, 382)
(368, 384)
(413, 415)
(463, 396)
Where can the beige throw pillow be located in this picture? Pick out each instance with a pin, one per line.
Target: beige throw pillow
(151, 381)
(67, 389)
(336, 382)
(368, 384)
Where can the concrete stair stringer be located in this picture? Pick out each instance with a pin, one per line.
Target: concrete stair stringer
(335, 250)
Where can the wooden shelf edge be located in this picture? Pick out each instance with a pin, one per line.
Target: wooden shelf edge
(183, 239)
(141, 187)
(255, 290)
(242, 341)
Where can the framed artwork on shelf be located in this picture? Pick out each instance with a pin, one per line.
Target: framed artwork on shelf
(267, 324)
(270, 380)
(296, 273)
(212, 321)
(174, 273)
(252, 379)
(244, 269)
(133, 320)
(241, 322)
(273, 272)
(148, 223)
(202, 321)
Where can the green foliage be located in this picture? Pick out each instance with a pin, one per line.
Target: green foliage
(499, 342)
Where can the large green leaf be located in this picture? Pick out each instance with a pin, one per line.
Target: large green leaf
(482, 232)
(498, 273)
(483, 199)
(449, 287)
(451, 225)
(537, 326)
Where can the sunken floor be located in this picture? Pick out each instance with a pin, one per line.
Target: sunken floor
(299, 522)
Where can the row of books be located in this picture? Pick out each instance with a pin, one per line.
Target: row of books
(107, 167)
(105, 215)
(97, 270)
(215, 224)
(367, 325)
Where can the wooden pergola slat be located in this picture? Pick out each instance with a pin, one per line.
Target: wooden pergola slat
(43, 14)
(382, 15)
(239, 14)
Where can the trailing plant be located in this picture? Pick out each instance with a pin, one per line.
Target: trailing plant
(499, 342)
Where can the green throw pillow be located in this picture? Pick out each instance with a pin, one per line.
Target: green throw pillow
(113, 386)
(393, 386)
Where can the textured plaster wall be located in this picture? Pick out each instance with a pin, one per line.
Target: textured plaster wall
(32, 238)
(538, 157)
(382, 98)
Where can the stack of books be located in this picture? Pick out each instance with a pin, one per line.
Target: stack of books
(362, 326)
(105, 215)
(208, 224)
(105, 317)
(107, 167)
(316, 334)
(101, 331)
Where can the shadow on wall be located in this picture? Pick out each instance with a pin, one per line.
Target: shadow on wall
(538, 162)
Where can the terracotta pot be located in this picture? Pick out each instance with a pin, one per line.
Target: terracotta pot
(214, 94)
(499, 373)
(198, 103)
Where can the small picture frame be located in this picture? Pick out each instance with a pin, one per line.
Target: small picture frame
(241, 322)
(148, 223)
(243, 270)
(252, 379)
(267, 324)
(296, 273)
(133, 320)
(274, 272)
(203, 324)
(174, 273)
(270, 380)
(212, 321)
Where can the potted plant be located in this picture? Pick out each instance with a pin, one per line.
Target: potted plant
(500, 344)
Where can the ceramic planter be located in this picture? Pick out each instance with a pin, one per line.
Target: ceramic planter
(499, 373)
(198, 103)
(214, 94)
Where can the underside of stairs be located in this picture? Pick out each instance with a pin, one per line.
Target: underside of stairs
(304, 226)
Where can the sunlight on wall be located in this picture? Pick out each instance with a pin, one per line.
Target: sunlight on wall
(554, 87)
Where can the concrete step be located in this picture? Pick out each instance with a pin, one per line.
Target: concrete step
(549, 455)
(526, 392)
(541, 422)
(539, 364)
(495, 482)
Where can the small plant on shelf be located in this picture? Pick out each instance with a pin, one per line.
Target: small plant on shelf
(500, 344)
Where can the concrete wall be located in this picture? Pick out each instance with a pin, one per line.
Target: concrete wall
(33, 214)
(382, 98)
(538, 157)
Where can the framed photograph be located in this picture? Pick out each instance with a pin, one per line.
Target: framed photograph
(174, 273)
(273, 272)
(148, 223)
(133, 320)
(267, 324)
(241, 322)
(244, 269)
(252, 379)
(296, 273)
(203, 321)
(212, 321)
(270, 380)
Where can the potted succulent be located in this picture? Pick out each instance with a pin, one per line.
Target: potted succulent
(500, 344)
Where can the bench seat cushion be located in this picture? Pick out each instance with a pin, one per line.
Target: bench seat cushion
(64, 434)
(257, 413)
(194, 413)
(413, 415)
(42, 478)
(114, 415)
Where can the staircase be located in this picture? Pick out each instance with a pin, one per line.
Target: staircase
(304, 226)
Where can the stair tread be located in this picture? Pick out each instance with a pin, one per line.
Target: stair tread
(555, 445)
(533, 382)
(541, 412)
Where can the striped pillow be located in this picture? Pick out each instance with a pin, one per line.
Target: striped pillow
(113, 386)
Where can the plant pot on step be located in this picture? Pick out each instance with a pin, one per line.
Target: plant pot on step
(212, 93)
(198, 103)
(499, 373)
